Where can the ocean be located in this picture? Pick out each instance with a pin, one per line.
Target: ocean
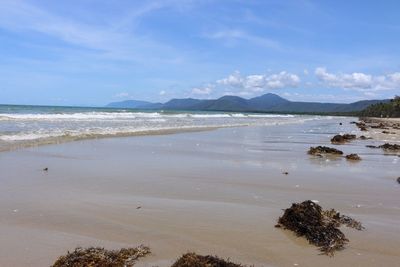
(22, 126)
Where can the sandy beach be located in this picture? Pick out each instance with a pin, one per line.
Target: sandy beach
(217, 192)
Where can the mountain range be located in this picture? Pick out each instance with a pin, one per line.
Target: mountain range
(264, 103)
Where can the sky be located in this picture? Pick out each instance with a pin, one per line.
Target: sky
(92, 52)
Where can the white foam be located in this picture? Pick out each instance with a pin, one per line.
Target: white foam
(80, 116)
(128, 115)
(31, 127)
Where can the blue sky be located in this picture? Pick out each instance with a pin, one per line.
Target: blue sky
(87, 52)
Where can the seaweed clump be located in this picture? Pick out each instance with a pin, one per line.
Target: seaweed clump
(340, 139)
(386, 146)
(318, 226)
(319, 150)
(379, 126)
(361, 125)
(195, 260)
(100, 257)
(339, 219)
(353, 157)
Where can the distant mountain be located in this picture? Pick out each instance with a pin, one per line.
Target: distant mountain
(181, 104)
(265, 103)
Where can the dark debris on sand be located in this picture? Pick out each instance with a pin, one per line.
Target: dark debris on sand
(340, 139)
(361, 125)
(379, 126)
(387, 146)
(398, 180)
(100, 257)
(319, 150)
(194, 260)
(318, 226)
(353, 157)
(339, 219)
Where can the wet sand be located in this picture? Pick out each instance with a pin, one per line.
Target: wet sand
(216, 192)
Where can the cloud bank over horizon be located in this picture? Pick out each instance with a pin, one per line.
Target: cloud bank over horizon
(77, 53)
(255, 84)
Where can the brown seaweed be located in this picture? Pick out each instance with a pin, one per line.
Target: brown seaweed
(195, 260)
(340, 139)
(324, 150)
(339, 219)
(100, 257)
(379, 126)
(319, 227)
(353, 157)
(387, 146)
(362, 126)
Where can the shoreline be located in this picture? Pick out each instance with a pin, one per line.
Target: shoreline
(6, 146)
(64, 139)
(214, 192)
(375, 134)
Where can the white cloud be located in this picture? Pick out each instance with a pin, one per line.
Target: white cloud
(202, 91)
(108, 39)
(162, 92)
(254, 82)
(282, 79)
(121, 95)
(358, 80)
(232, 80)
(235, 34)
(395, 77)
(236, 84)
(261, 82)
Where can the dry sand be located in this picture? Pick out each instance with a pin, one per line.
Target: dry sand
(216, 192)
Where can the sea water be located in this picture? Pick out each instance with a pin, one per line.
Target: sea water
(35, 125)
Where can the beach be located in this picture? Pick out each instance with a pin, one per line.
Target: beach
(216, 192)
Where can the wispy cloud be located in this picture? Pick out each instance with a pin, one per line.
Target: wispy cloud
(109, 41)
(358, 80)
(202, 91)
(172, 48)
(122, 95)
(274, 23)
(240, 35)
